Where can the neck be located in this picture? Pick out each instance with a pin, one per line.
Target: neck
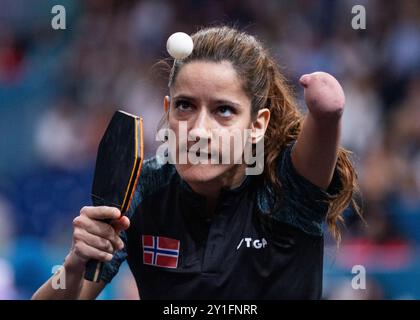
(211, 189)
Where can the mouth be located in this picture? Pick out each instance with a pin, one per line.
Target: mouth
(200, 154)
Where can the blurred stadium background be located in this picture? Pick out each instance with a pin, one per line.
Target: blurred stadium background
(58, 89)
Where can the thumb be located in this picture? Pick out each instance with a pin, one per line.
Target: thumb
(121, 224)
(304, 80)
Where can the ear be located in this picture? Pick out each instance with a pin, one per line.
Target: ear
(259, 125)
(166, 103)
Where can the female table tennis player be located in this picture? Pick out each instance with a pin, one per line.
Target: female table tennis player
(210, 230)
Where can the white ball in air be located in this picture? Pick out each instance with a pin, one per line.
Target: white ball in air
(179, 45)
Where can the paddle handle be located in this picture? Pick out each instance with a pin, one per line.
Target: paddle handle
(94, 268)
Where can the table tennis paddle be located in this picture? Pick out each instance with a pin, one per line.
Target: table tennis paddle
(117, 169)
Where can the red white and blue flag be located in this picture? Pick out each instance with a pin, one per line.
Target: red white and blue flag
(160, 251)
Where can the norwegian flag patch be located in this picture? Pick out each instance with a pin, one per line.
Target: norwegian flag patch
(160, 251)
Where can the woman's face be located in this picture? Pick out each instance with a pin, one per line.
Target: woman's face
(208, 99)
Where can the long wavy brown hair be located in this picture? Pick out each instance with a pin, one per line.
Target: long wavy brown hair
(265, 85)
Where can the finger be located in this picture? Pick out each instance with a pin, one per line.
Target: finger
(97, 242)
(96, 227)
(121, 224)
(101, 212)
(87, 252)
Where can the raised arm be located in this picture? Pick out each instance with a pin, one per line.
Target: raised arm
(92, 239)
(314, 155)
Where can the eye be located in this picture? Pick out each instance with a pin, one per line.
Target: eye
(183, 105)
(225, 111)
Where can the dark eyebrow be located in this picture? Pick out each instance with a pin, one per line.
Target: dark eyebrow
(185, 97)
(217, 101)
(237, 105)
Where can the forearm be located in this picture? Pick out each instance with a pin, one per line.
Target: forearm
(73, 283)
(316, 150)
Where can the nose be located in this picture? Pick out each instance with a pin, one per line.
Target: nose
(201, 128)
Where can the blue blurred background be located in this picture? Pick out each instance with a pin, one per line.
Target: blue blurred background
(59, 88)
